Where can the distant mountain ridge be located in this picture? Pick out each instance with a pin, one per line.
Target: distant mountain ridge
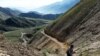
(7, 12)
(10, 20)
(39, 15)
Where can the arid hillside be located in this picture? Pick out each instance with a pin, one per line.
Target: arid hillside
(80, 26)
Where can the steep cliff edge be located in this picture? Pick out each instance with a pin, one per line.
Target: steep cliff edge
(80, 26)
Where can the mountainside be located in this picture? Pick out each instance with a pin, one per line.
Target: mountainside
(13, 23)
(3, 16)
(9, 11)
(5, 13)
(10, 20)
(78, 26)
(22, 22)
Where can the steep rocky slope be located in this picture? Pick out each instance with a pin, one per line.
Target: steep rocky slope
(78, 26)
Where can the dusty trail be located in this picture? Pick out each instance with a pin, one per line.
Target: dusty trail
(62, 45)
(10, 48)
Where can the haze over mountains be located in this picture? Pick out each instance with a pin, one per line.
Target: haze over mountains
(16, 18)
(13, 19)
(32, 14)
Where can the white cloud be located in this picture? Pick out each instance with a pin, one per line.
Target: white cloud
(27, 4)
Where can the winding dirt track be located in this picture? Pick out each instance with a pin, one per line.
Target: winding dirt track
(53, 39)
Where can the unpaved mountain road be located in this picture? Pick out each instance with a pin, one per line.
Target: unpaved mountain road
(62, 45)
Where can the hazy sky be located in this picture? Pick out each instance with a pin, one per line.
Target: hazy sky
(27, 4)
(58, 7)
(32, 5)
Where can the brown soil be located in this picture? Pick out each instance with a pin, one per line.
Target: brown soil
(17, 49)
